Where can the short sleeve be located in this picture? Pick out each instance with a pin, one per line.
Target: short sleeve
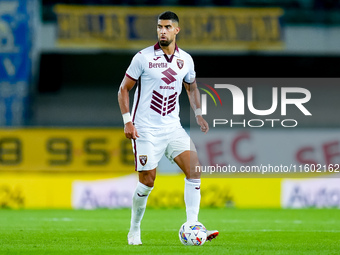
(135, 69)
(191, 75)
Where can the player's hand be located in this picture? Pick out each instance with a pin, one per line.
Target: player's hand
(202, 123)
(130, 131)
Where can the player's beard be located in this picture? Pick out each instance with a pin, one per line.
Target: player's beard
(165, 43)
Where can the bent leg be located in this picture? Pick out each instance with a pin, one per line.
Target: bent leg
(188, 161)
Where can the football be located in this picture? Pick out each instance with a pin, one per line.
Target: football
(192, 233)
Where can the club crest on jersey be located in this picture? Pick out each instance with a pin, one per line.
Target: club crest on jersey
(143, 159)
(180, 63)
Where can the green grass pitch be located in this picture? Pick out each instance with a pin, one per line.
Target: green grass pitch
(242, 231)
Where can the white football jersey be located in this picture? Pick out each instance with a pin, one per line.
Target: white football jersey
(160, 80)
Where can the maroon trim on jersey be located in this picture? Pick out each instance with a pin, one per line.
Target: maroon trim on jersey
(176, 48)
(135, 150)
(188, 82)
(169, 60)
(157, 47)
(138, 97)
(130, 77)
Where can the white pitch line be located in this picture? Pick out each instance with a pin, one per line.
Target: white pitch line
(279, 221)
(58, 219)
(288, 230)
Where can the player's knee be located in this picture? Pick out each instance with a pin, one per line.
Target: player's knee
(148, 179)
(149, 183)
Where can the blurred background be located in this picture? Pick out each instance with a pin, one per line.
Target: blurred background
(61, 64)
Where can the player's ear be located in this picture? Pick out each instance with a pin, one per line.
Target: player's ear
(177, 29)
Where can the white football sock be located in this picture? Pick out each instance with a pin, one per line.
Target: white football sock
(192, 198)
(140, 197)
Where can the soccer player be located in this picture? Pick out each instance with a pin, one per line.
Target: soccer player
(155, 127)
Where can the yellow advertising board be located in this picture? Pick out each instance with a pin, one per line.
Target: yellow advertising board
(42, 190)
(219, 192)
(207, 29)
(65, 150)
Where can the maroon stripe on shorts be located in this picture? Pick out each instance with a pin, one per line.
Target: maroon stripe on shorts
(135, 150)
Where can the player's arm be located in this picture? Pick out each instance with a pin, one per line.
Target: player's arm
(124, 104)
(194, 98)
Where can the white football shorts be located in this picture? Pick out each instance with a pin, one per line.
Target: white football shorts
(152, 145)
